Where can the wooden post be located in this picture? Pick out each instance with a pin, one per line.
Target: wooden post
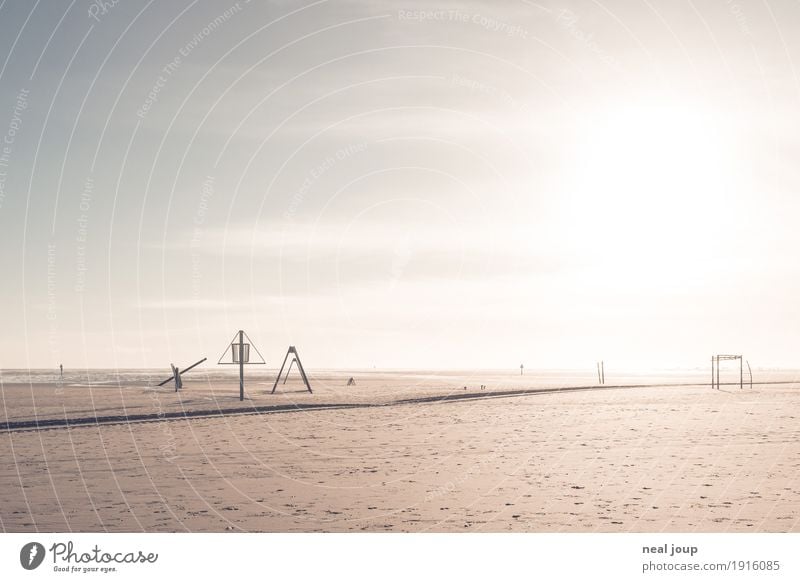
(286, 377)
(302, 370)
(712, 372)
(241, 365)
(280, 372)
(741, 383)
(237, 343)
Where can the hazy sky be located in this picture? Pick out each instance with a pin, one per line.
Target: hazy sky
(400, 184)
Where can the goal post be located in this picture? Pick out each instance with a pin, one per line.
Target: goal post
(715, 360)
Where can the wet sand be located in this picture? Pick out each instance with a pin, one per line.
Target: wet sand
(402, 452)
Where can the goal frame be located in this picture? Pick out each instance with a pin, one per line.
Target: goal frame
(716, 359)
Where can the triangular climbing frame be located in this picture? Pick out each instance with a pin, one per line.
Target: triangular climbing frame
(292, 351)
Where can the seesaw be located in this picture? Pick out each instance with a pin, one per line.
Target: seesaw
(171, 378)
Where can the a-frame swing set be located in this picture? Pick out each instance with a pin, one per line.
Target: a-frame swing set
(295, 359)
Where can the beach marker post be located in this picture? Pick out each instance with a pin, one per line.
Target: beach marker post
(240, 355)
(601, 372)
(241, 364)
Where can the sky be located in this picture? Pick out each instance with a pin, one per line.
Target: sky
(397, 184)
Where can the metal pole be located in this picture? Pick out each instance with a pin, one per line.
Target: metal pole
(286, 377)
(280, 372)
(603, 372)
(193, 365)
(741, 383)
(241, 365)
(302, 371)
(712, 372)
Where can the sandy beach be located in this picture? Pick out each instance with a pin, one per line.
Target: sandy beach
(402, 451)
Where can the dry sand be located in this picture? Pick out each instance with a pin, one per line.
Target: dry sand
(390, 455)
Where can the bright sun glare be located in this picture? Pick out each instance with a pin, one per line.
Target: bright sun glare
(652, 188)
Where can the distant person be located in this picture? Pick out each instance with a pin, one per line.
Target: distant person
(61, 369)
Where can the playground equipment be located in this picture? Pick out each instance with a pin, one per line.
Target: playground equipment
(292, 351)
(175, 377)
(176, 373)
(240, 355)
(292, 363)
(715, 360)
